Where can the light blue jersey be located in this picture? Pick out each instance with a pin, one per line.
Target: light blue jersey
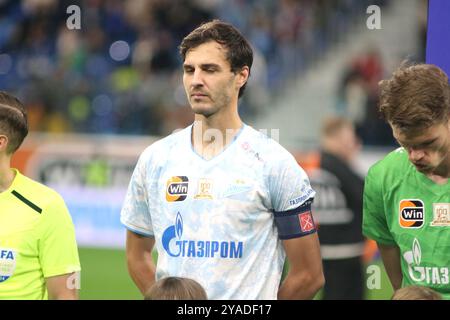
(214, 220)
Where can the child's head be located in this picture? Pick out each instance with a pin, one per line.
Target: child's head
(416, 293)
(176, 288)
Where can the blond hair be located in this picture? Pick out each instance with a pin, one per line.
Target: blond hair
(416, 293)
(176, 288)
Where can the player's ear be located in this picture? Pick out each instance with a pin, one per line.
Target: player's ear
(3, 143)
(242, 76)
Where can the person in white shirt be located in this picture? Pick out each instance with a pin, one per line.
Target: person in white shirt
(223, 204)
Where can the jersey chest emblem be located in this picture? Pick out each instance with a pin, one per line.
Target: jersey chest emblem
(204, 190)
(441, 215)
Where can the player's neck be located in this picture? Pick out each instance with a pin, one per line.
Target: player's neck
(440, 176)
(438, 179)
(222, 121)
(6, 174)
(211, 135)
(442, 172)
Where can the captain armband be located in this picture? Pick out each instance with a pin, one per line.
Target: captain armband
(295, 223)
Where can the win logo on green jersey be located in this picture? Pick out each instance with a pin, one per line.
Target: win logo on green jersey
(412, 214)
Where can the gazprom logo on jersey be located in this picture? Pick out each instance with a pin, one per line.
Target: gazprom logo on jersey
(7, 263)
(177, 188)
(174, 244)
(435, 275)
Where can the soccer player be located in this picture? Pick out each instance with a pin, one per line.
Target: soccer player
(407, 194)
(38, 252)
(223, 204)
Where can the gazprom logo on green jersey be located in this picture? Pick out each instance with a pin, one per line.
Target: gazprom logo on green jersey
(175, 246)
(424, 274)
(7, 263)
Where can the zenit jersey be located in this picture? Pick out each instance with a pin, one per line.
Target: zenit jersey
(213, 220)
(37, 239)
(403, 207)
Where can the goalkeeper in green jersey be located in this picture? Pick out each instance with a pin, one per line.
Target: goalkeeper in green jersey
(407, 194)
(38, 252)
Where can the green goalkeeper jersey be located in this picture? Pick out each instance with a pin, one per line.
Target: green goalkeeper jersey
(37, 239)
(405, 208)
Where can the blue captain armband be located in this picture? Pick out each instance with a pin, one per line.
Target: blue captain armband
(295, 223)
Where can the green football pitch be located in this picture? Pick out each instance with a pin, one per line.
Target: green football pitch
(104, 276)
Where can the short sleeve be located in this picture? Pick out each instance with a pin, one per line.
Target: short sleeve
(58, 252)
(374, 218)
(135, 214)
(291, 195)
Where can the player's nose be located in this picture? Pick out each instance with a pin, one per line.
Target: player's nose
(197, 78)
(416, 154)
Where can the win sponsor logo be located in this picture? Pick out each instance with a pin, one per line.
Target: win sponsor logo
(177, 188)
(175, 246)
(412, 214)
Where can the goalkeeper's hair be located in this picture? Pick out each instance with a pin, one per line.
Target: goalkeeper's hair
(176, 288)
(416, 97)
(13, 121)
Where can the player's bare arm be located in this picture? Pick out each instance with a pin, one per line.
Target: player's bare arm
(59, 289)
(391, 260)
(305, 277)
(139, 260)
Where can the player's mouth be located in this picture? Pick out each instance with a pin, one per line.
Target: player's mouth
(422, 167)
(198, 95)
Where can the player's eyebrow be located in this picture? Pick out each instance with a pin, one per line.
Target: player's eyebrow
(187, 66)
(202, 66)
(210, 66)
(428, 142)
(421, 144)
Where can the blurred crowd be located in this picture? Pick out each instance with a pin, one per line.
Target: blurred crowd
(120, 73)
(357, 92)
(358, 98)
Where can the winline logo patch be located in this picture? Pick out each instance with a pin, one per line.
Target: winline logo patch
(412, 213)
(177, 188)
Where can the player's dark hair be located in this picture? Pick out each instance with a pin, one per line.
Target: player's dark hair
(416, 97)
(13, 121)
(239, 52)
(176, 288)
